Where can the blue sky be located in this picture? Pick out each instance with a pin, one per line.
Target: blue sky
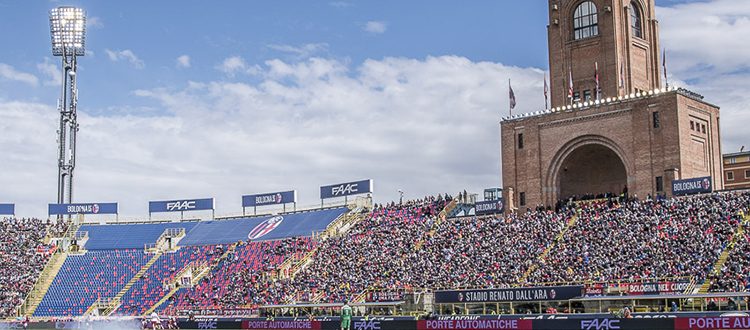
(195, 98)
(157, 32)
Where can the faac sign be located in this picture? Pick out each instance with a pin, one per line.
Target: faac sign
(346, 189)
(367, 325)
(181, 205)
(600, 324)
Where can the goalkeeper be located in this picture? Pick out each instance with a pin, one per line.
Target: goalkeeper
(346, 316)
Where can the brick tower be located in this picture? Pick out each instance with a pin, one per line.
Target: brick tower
(620, 36)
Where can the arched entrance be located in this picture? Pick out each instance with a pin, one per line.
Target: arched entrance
(591, 170)
(587, 165)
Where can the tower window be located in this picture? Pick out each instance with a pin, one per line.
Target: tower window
(587, 95)
(585, 21)
(522, 199)
(730, 176)
(659, 184)
(657, 121)
(635, 20)
(520, 140)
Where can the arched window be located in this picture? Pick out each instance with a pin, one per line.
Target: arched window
(635, 20)
(585, 21)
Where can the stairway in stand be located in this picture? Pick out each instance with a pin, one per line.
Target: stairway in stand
(197, 276)
(738, 233)
(109, 305)
(543, 257)
(46, 277)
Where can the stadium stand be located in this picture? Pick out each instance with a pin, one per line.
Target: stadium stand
(378, 251)
(23, 255)
(611, 241)
(243, 278)
(85, 278)
(116, 253)
(127, 236)
(734, 275)
(291, 225)
(412, 245)
(151, 287)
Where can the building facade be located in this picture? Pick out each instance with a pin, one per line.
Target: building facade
(737, 170)
(631, 133)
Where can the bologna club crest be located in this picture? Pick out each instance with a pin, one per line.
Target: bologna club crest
(706, 184)
(265, 227)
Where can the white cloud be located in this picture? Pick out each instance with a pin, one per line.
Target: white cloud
(94, 22)
(376, 27)
(424, 126)
(10, 73)
(236, 64)
(183, 61)
(340, 4)
(707, 52)
(125, 55)
(51, 71)
(302, 51)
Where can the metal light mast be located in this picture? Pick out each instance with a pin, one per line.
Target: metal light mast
(68, 31)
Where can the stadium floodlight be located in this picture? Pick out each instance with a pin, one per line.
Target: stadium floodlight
(67, 27)
(68, 31)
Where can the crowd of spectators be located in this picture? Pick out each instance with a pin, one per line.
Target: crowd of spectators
(410, 245)
(245, 277)
(735, 273)
(23, 255)
(405, 246)
(633, 239)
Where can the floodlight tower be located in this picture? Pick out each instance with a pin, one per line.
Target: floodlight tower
(68, 30)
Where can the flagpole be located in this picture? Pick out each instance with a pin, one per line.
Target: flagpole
(664, 63)
(596, 74)
(510, 104)
(546, 105)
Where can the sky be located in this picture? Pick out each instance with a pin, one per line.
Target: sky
(189, 99)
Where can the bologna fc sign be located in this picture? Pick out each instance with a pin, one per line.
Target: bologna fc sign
(265, 227)
(692, 186)
(83, 208)
(281, 197)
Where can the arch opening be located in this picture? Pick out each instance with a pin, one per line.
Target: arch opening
(591, 170)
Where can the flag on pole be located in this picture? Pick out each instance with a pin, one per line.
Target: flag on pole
(546, 90)
(664, 64)
(596, 77)
(570, 85)
(511, 97)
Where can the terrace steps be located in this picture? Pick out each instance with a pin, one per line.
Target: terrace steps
(738, 233)
(111, 304)
(42, 285)
(293, 266)
(543, 257)
(201, 272)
